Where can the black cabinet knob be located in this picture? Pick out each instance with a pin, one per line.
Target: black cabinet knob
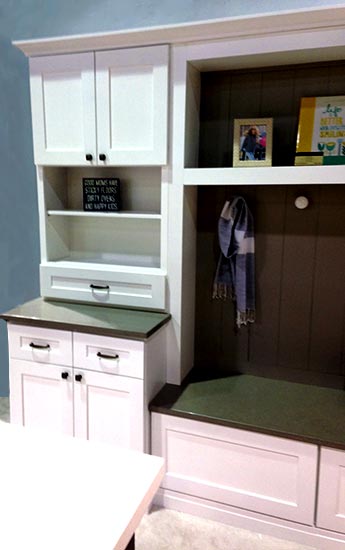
(64, 375)
(78, 377)
(88, 156)
(102, 156)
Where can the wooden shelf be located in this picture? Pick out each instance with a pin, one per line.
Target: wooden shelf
(119, 215)
(275, 175)
(108, 262)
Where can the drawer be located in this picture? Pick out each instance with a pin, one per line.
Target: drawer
(38, 344)
(247, 470)
(123, 288)
(110, 355)
(331, 493)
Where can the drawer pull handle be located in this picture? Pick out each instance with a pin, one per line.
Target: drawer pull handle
(39, 346)
(102, 157)
(64, 375)
(78, 377)
(106, 356)
(100, 287)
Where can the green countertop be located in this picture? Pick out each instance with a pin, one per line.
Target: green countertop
(107, 321)
(297, 411)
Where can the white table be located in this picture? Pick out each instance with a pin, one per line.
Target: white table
(62, 493)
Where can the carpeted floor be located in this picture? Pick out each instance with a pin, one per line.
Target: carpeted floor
(163, 529)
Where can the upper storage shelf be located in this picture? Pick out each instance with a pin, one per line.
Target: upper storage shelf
(103, 108)
(262, 78)
(261, 92)
(276, 175)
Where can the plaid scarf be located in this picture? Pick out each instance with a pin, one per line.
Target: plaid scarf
(235, 275)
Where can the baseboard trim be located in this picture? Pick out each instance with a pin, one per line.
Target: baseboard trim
(243, 519)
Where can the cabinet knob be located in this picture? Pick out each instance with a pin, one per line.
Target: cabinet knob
(78, 377)
(102, 156)
(64, 375)
(88, 156)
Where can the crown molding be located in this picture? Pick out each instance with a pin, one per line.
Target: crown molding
(281, 22)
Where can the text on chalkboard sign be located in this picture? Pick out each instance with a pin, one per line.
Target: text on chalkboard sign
(101, 194)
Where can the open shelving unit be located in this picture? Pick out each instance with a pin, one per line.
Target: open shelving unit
(254, 75)
(121, 252)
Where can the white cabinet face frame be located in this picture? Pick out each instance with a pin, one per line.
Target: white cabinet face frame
(132, 99)
(63, 108)
(331, 493)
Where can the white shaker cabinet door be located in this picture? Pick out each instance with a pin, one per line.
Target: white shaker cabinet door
(132, 105)
(109, 409)
(331, 497)
(41, 396)
(63, 109)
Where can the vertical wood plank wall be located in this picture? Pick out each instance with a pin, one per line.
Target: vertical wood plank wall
(300, 286)
(300, 254)
(270, 92)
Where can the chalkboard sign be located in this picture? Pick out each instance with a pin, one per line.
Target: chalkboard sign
(101, 194)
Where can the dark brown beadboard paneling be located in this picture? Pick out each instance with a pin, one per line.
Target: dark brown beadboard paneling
(268, 92)
(269, 217)
(327, 315)
(297, 275)
(300, 283)
(300, 255)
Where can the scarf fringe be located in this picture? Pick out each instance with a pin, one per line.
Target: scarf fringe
(222, 291)
(245, 317)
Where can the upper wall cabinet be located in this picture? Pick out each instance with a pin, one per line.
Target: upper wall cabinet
(103, 108)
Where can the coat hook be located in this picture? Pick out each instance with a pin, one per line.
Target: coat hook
(301, 202)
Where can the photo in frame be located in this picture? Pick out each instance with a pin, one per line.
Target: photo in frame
(321, 131)
(252, 142)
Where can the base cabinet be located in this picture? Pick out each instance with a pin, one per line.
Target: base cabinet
(99, 392)
(331, 495)
(271, 485)
(80, 403)
(270, 475)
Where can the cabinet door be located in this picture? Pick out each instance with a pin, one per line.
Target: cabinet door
(331, 496)
(41, 396)
(132, 92)
(109, 408)
(248, 470)
(63, 108)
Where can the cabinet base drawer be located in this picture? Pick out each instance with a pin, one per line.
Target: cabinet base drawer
(118, 288)
(257, 472)
(41, 345)
(110, 355)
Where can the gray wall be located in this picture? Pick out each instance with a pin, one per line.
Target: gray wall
(25, 19)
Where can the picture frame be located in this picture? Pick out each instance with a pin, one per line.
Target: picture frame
(257, 134)
(321, 131)
(101, 194)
